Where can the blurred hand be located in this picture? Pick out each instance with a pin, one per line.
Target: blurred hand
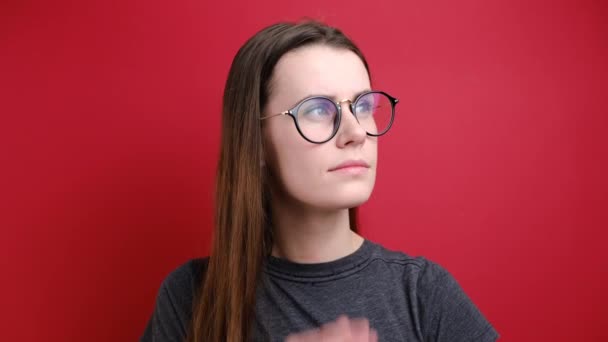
(343, 329)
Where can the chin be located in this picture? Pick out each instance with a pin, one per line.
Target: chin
(344, 199)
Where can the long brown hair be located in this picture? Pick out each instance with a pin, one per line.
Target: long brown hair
(224, 308)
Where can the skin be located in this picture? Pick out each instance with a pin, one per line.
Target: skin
(342, 329)
(310, 204)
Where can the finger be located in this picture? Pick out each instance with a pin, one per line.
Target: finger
(359, 325)
(306, 336)
(373, 335)
(359, 328)
(293, 338)
(338, 330)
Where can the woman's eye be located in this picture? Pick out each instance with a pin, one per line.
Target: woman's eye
(318, 111)
(365, 107)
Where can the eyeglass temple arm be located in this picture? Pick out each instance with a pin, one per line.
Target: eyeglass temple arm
(273, 115)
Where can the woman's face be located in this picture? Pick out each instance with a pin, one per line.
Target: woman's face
(302, 171)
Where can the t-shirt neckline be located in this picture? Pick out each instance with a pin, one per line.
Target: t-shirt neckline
(325, 271)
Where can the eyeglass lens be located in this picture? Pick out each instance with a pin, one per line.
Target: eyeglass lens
(318, 117)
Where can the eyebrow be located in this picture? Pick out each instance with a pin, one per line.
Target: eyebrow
(332, 96)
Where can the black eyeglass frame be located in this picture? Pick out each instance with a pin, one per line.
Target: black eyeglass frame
(293, 112)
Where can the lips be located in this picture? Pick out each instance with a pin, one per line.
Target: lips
(350, 164)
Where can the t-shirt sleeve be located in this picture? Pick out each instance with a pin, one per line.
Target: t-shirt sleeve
(448, 314)
(173, 308)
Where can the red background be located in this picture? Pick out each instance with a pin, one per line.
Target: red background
(495, 168)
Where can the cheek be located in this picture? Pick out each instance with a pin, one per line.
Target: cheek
(288, 153)
(372, 150)
(299, 163)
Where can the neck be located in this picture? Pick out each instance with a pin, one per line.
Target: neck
(308, 235)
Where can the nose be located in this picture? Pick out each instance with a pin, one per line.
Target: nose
(350, 131)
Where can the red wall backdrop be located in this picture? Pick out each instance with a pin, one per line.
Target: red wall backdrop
(496, 166)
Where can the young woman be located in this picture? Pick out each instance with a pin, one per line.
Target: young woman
(298, 155)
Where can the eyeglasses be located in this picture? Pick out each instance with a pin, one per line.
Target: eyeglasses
(318, 118)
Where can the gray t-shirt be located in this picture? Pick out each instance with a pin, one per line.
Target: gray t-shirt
(404, 298)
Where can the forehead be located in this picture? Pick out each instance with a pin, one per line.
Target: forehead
(318, 70)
